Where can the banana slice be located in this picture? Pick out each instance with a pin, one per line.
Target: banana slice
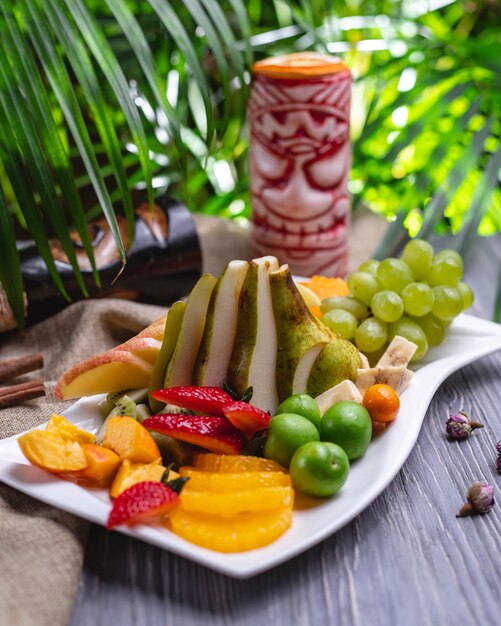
(397, 377)
(344, 391)
(399, 352)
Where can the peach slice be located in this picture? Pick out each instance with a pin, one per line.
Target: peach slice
(155, 330)
(131, 473)
(63, 427)
(146, 348)
(51, 452)
(101, 469)
(130, 440)
(111, 371)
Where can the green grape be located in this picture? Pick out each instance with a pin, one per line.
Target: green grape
(418, 299)
(412, 331)
(388, 306)
(447, 269)
(343, 322)
(448, 302)
(466, 294)
(347, 303)
(394, 274)
(371, 335)
(363, 286)
(434, 329)
(418, 255)
(449, 253)
(369, 266)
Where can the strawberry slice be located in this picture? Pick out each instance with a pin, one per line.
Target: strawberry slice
(246, 417)
(143, 502)
(216, 434)
(201, 399)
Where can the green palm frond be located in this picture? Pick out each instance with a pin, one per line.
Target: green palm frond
(101, 97)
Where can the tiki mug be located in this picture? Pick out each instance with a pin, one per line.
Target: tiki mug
(300, 157)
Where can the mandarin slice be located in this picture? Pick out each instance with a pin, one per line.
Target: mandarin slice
(48, 450)
(102, 465)
(246, 531)
(222, 482)
(132, 473)
(67, 430)
(206, 462)
(261, 499)
(130, 440)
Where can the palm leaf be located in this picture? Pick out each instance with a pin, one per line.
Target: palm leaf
(139, 44)
(36, 97)
(10, 270)
(110, 67)
(88, 81)
(480, 202)
(58, 78)
(178, 32)
(31, 152)
(442, 196)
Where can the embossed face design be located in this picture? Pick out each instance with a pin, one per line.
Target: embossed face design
(299, 165)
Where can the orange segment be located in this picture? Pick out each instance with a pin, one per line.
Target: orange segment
(67, 430)
(230, 482)
(130, 440)
(234, 463)
(132, 473)
(48, 450)
(326, 287)
(231, 503)
(245, 531)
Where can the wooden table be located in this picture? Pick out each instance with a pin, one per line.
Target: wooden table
(406, 560)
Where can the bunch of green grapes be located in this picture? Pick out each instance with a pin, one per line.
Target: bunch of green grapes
(416, 296)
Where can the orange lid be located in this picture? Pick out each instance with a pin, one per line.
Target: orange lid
(299, 65)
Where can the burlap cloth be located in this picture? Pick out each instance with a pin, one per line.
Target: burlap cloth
(41, 548)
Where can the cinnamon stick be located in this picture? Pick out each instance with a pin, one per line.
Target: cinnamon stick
(10, 368)
(16, 394)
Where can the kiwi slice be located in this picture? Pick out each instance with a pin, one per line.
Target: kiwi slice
(124, 406)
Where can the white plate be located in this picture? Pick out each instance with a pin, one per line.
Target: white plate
(469, 338)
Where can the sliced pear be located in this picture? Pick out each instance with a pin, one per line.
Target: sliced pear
(302, 373)
(170, 337)
(297, 330)
(211, 366)
(338, 361)
(253, 358)
(309, 296)
(180, 368)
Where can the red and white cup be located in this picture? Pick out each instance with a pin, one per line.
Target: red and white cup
(300, 158)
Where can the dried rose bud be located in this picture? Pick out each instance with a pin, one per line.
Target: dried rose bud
(498, 447)
(480, 499)
(498, 460)
(459, 426)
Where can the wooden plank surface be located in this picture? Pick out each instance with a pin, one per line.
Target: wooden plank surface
(406, 560)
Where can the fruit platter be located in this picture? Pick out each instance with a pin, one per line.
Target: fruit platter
(261, 414)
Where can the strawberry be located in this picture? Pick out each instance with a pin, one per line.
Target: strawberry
(216, 434)
(247, 418)
(201, 399)
(146, 501)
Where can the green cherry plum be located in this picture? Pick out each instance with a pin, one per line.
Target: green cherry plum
(319, 468)
(286, 433)
(349, 425)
